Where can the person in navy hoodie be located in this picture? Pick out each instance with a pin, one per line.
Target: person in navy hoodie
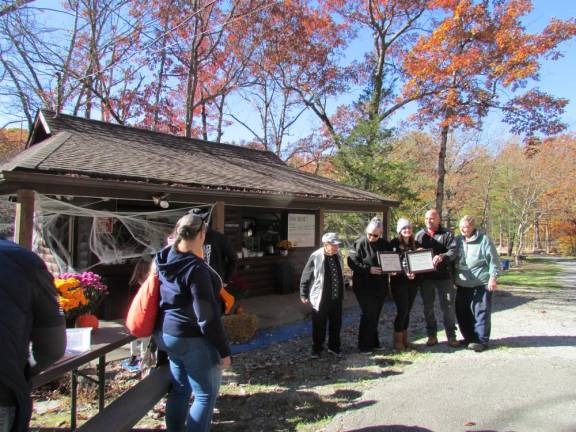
(189, 327)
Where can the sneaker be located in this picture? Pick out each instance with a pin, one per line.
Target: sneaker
(133, 368)
(476, 347)
(335, 353)
(453, 342)
(432, 340)
(315, 355)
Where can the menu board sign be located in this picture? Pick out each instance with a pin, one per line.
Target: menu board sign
(302, 229)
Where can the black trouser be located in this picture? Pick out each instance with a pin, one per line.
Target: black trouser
(473, 311)
(329, 315)
(371, 299)
(404, 295)
(447, 295)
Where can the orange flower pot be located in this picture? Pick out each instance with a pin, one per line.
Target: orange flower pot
(87, 320)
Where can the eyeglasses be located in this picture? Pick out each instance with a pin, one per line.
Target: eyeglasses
(370, 235)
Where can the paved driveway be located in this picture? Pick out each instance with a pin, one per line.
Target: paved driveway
(526, 382)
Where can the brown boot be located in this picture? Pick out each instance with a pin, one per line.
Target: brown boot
(398, 344)
(453, 342)
(432, 340)
(405, 341)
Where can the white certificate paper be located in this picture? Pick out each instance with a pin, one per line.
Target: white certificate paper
(389, 262)
(420, 261)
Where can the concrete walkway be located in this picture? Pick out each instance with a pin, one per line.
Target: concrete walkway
(526, 382)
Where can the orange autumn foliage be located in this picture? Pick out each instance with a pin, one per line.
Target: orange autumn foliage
(477, 50)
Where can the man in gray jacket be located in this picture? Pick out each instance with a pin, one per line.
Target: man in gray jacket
(29, 315)
(322, 285)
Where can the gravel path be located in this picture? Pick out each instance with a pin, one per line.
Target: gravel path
(526, 382)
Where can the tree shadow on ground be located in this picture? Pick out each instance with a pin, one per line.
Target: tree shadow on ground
(391, 428)
(251, 412)
(534, 341)
(280, 394)
(503, 300)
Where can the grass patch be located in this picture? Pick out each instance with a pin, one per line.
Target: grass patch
(535, 273)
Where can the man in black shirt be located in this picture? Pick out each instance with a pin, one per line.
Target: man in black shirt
(219, 255)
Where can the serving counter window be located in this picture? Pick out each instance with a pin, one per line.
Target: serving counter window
(260, 233)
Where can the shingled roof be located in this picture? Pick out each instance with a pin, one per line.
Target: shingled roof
(79, 148)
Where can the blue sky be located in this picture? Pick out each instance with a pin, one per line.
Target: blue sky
(556, 78)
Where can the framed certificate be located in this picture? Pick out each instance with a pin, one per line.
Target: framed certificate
(389, 262)
(420, 261)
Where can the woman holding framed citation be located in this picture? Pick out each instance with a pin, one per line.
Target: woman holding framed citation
(369, 282)
(404, 284)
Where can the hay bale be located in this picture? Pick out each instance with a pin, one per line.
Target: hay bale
(240, 328)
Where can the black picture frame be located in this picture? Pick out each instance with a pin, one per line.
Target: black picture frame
(388, 263)
(420, 261)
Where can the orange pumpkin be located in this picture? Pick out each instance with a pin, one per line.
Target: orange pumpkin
(87, 320)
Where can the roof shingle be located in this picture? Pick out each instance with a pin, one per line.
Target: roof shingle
(97, 149)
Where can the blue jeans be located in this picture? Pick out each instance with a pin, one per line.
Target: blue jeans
(195, 368)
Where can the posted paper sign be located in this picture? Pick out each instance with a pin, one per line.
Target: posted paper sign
(301, 229)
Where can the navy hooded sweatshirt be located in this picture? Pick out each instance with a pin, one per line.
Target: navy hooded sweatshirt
(190, 298)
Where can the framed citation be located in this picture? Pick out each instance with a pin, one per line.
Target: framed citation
(420, 261)
(389, 262)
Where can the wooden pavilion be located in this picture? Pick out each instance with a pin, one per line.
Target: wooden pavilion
(257, 198)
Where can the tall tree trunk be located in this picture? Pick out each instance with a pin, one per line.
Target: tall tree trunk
(161, 78)
(511, 239)
(204, 121)
(537, 245)
(547, 237)
(192, 81)
(441, 170)
(190, 92)
(220, 105)
(520, 247)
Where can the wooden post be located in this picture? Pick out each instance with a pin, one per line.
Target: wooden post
(24, 218)
(386, 222)
(320, 231)
(218, 217)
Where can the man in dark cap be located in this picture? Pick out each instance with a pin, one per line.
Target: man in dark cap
(219, 255)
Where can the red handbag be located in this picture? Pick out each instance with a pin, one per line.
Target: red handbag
(141, 317)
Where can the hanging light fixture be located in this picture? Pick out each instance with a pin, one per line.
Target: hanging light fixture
(161, 200)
